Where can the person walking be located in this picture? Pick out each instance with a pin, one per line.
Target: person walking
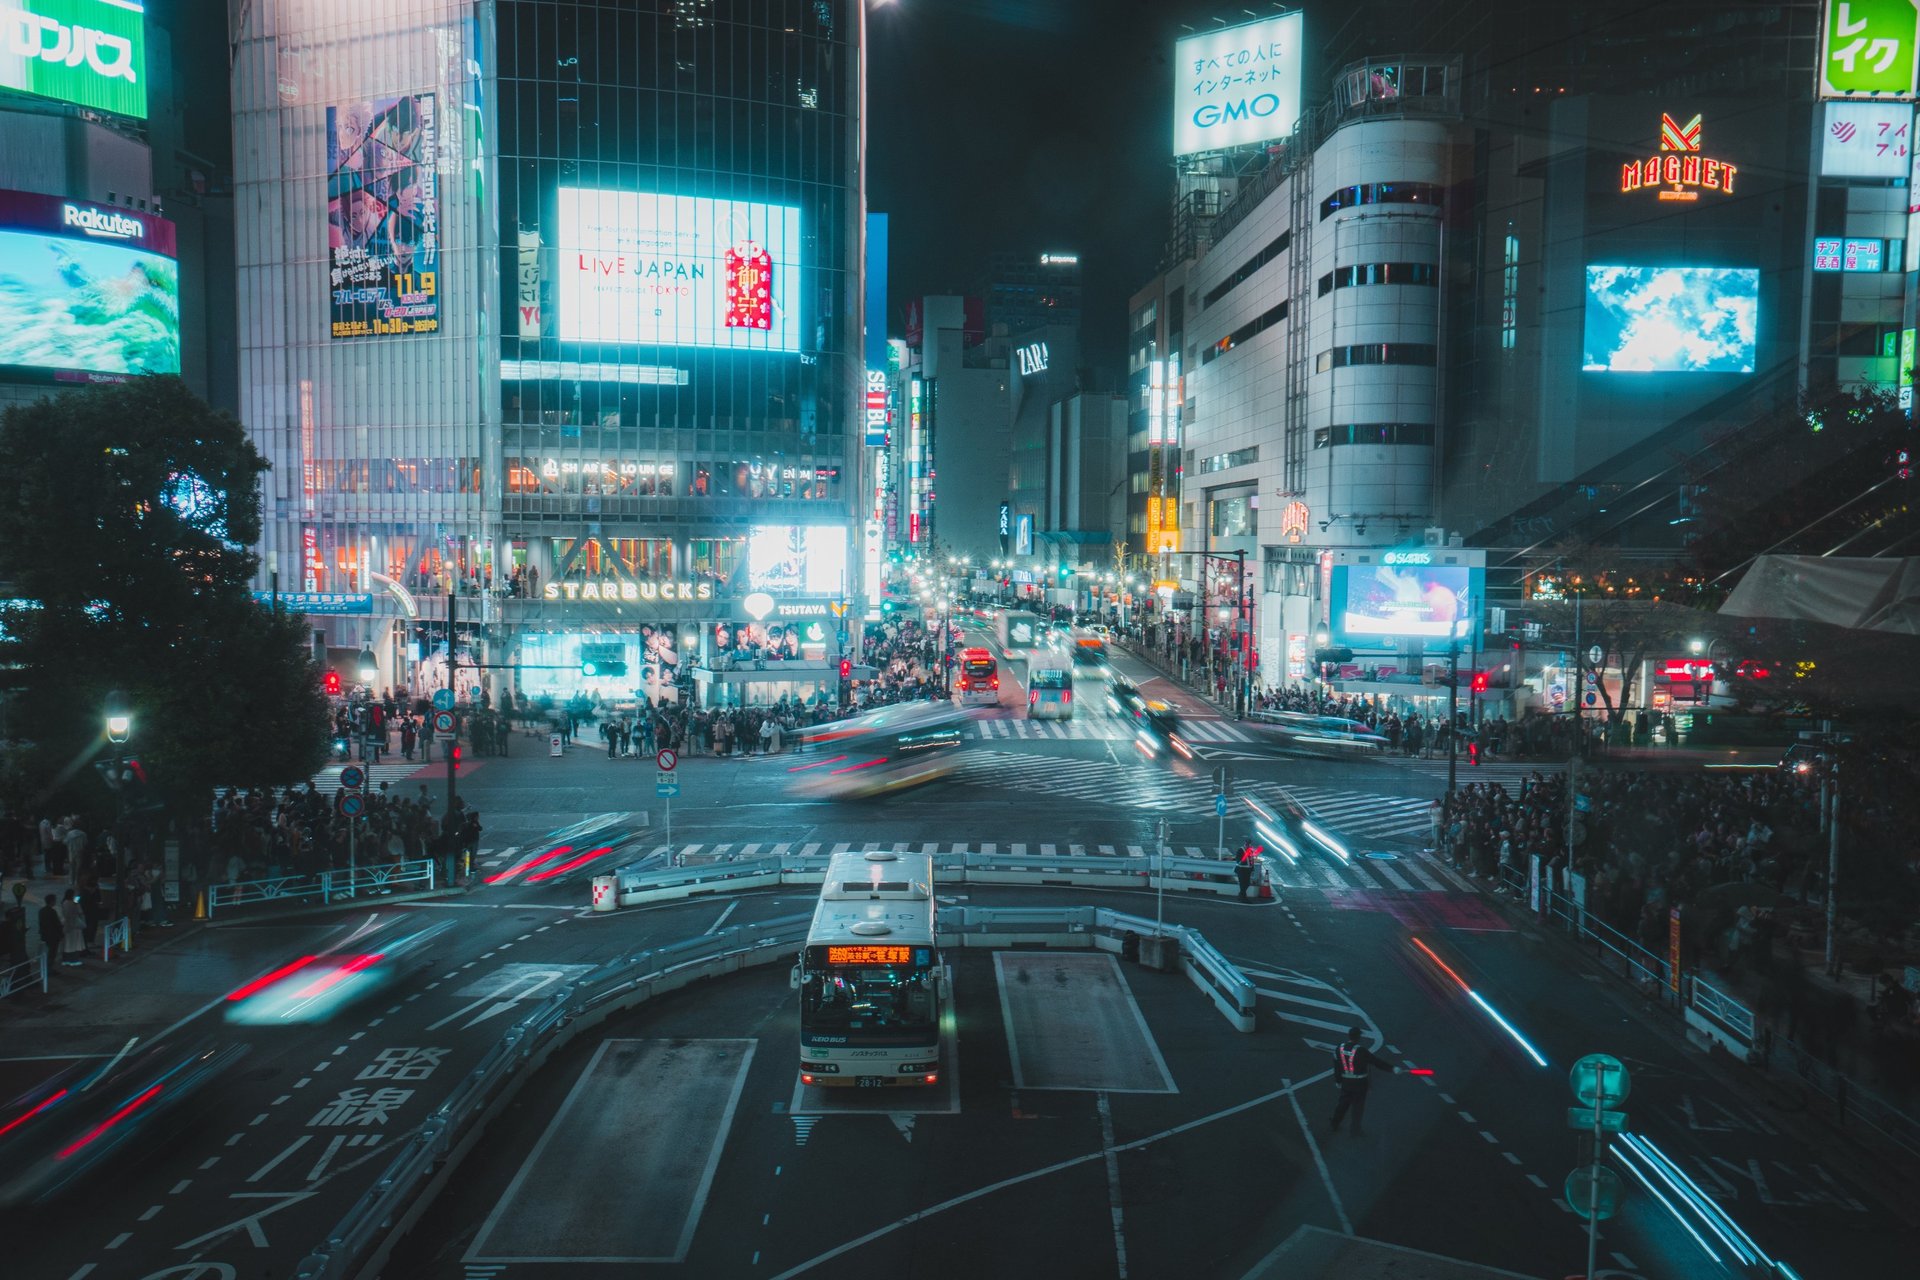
(72, 931)
(53, 929)
(1352, 1063)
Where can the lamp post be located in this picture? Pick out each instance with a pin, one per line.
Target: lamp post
(118, 716)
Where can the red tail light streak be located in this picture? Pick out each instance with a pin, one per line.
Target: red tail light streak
(1486, 1008)
(528, 865)
(106, 1124)
(570, 864)
(262, 983)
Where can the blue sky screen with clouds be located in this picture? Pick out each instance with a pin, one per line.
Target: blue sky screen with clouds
(1671, 319)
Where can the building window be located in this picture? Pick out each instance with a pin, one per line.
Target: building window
(1380, 193)
(1510, 293)
(1226, 461)
(1420, 273)
(1419, 353)
(1274, 249)
(1264, 320)
(1408, 433)
(1232, 517)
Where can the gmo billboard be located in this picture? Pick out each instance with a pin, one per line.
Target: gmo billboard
(1237, 86)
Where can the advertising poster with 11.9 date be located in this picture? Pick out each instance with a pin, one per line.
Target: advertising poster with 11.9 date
(383, 217)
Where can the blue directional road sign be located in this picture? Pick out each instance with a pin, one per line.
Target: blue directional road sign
(666, 790)
(443, 699)
(1219, 806)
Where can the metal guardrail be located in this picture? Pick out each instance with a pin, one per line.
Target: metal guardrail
(636, 883)
(360, 1243)
(1850, 1102)
(118, 932)
(27, 973)
(325, 887)
(1724, 1009)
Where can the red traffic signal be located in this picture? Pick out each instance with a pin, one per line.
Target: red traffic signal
(1473, 754)
(1479, 682)
(331, 682)
(846, 668)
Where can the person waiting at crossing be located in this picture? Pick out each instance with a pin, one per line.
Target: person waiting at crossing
(1352, 1064)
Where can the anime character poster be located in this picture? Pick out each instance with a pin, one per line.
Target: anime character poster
(383, 217)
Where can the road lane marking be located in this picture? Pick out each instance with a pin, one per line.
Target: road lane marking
(1511, 1158)
(1319, 1161)
(1490, 1138)
(257, 1121)
(274, 1163)
(715, 926)
(234, 1141)
(282, 1098)
(87, 1268)
(1113, 1187)
(180, 1186)
(333, 1148)
(120, 1239)
(250, 1223)
(1469, 1119)
(208, 1163)
(358, 1035)
(1537, 1181)
(150, 1214)
(303, 1082)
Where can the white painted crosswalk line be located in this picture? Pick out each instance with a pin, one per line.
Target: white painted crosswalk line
(1386, 871)
(1413, 868)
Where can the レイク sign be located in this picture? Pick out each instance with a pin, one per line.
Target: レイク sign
(1867, 49)
(1679, 171)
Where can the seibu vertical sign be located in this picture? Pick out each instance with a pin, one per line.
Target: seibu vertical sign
(876, 409)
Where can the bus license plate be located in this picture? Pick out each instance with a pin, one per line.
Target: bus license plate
(870, 1082)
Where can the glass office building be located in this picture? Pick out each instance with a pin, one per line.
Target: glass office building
(555, 306)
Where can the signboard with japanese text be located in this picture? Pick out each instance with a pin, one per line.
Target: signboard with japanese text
(1867, 49)
(1867, 140)
(318, 603)
(1237, 86)
(89, 52)
(1835, 253)
(383, 217)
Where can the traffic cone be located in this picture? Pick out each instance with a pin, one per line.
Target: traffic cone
(1266, 884)
(200, 906)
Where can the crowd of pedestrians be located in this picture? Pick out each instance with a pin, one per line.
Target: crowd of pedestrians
(91, 872)
(1646, 840)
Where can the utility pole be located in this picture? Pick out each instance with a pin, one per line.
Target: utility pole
(453, 743)
(1833, 874)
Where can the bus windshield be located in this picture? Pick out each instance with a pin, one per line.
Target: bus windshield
(860, 1001)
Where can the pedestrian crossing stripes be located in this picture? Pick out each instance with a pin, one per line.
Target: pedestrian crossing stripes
(327, 781)
(1355, 815)
(1102, 729)
(1414, 872)
(1503, 771)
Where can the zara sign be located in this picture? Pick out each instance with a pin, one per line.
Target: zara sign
(1033, 359)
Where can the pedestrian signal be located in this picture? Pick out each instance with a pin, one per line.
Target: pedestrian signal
(846, 668)
(1473, 754)
(331, 682)
(1479, 682)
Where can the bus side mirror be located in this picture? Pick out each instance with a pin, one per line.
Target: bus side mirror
(793, 978)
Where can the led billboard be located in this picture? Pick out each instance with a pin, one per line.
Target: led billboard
(1237, 86)
(641, 268)
(1373, 603)
(800, 559)
(383, 217)
(1644, 319)
(89, 52)
(86, 291)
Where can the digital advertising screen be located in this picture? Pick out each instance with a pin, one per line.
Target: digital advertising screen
(640, 268)
(1395, 602)
(1643, 319)
(806, 559)
(383, 217)
(89, 52)
(86, 291)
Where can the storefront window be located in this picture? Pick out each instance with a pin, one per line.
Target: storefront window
(717, 558)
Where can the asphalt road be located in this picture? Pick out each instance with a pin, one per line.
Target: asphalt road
(741, 1175)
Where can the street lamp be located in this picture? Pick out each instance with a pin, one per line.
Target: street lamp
(369, 666)
(119, 717)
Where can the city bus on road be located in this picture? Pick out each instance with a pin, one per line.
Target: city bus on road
(976, 679)
(1049, 686)
(872, 988)
(878, 752)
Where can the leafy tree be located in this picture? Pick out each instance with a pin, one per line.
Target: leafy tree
(126, 512)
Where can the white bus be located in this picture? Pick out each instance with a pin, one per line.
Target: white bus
(871, 983)
(1049, 686)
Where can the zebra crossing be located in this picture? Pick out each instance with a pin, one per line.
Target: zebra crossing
(1355, 815)
(1414, 872)
(1502, 771)
(1102, 729)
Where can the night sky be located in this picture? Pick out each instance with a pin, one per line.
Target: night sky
(1029, 125)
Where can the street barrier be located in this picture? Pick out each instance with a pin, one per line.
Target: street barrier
(117, 932)
(380, 878)
(1848, 1102)
(1720, 1017)
(638, 883)
(24, 975)
(426, 1163)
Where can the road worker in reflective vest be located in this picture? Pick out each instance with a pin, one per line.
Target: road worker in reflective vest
(1352, 1064)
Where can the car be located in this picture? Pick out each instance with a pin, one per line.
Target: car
(1122, 693)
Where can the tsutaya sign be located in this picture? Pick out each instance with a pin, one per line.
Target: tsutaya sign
(611, 590)
(1678, 171)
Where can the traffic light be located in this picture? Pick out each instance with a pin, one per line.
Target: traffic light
(1473, 754)
(846, 668)
(331, 683)
(1479, 682)
(456, 757)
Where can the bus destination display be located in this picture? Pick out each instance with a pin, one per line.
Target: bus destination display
(869, 955)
